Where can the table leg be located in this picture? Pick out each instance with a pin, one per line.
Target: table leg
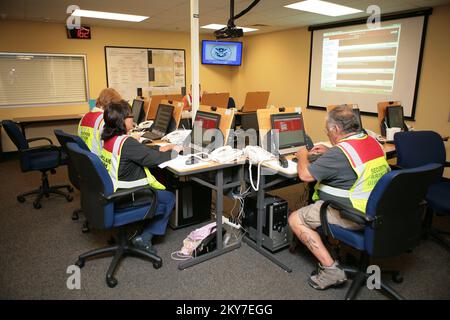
(259, 227)
(220, 249)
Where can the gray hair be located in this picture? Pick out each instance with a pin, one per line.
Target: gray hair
(344, 118)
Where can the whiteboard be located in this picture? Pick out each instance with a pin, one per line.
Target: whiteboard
(156, 71)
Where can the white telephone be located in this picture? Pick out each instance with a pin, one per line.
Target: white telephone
(256, 155)
(145, 125)
(225, 154)
(177, 136)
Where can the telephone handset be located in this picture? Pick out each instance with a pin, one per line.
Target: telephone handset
(145, 125)
(177, 136)
(225, 154)
(257, 154)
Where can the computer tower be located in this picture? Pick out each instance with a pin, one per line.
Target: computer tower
(275, 225)
(193, 205)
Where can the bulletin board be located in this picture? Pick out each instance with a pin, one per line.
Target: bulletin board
(157, 71)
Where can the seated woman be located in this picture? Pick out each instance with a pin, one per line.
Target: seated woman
(128, 163)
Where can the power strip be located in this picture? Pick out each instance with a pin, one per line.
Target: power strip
(227, 221)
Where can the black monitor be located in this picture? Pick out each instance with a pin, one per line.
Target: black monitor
(138, 111)
(394, 117)
(204, 121)
(291, 131)
(163, 118)
(358, 117)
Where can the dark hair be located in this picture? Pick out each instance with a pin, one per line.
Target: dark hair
(114, 117)
(344, 117)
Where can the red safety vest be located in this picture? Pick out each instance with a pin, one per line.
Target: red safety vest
(90, 129)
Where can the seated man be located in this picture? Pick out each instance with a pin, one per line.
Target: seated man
(345, 173)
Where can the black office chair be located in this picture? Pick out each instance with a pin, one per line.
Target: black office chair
(74, 176)
(392, 222)
(42, 158)
(98, 203)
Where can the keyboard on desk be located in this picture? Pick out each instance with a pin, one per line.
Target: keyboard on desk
(152, 135)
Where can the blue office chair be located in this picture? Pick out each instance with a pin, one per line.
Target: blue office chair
(392, 222)
(98, 204)
(416, 148)
(74, 177)
(42, 158)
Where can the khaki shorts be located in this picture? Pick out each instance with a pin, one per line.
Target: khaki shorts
(310, 217)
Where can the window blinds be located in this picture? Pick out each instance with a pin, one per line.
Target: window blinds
(36, 79)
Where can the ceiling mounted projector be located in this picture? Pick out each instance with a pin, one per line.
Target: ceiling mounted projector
(231, 31)
(227, 32)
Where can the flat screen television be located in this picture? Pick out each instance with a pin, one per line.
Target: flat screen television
(222, 52)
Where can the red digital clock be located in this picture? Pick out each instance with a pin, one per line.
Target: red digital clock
(79, 33)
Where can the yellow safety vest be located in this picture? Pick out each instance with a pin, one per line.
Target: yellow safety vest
(110, 156)
(368, 160)
(89, 130)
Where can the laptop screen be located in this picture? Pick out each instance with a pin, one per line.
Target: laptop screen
(138, 111)
(291, 130)
(203, 122)
(395, 117)
(163, 118)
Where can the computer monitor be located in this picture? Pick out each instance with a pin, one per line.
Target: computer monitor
(291, 132)
(138, 111)
(204, 121)
(163, 118)
(358, 117)
(394, 117)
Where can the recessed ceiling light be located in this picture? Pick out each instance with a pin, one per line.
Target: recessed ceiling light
(108, 15)
(323, 7)
(215, 26)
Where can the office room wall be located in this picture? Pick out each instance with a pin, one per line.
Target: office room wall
(279, 62)
(39, 37)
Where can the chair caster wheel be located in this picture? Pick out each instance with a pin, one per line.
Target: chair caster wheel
(69, 198)
(111, 282)
(70, 189)
(80, 263)
(157, 264)
(37, 205)
(85, 228)
(21, 199)
(75, 216)
(397, 278)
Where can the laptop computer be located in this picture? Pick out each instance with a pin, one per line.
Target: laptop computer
(201, 142)
(255, 101)
(162, 121)
(290, 129)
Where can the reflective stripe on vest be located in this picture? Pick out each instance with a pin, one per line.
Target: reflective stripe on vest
(110, 156)
(89, 130)
(367, 159)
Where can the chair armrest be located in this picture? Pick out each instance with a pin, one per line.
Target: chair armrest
(126, 192)
(40, 138)
(395, 167)
(346, 212)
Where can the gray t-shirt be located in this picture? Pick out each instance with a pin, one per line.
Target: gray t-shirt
(333, 169)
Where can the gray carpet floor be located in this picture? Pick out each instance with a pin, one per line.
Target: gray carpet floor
(37, 246)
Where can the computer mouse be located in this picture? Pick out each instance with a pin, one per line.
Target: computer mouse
(283, 161)
(295, 160)
(146, 141)
(191, 160)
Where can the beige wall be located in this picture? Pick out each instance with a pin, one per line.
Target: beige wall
(19, 36)
(279, 62)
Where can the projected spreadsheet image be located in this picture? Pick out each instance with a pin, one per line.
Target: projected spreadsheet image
(360, 61)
